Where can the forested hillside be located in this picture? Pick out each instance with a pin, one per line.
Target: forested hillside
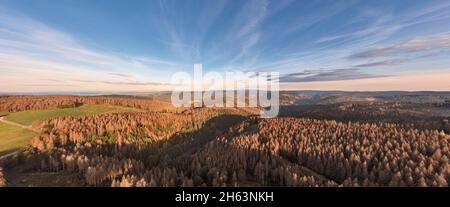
(224, 147)
(22, 103)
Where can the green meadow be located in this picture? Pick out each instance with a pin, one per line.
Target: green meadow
(28, 117)
(13, 138)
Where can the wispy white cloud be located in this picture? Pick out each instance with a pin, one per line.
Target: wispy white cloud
(29, 48)
(123, 75)
(380, 63)
(431, 81)
(126, 83)
(389, 23)
(327, 75)
(246, 32)
(283, 36)
(368, 32)
(251, 16)
(246, 46)
(419, 44)
(309, 19)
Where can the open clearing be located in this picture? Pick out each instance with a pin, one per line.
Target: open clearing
(13, 138)
(14, 132)
(28, 117)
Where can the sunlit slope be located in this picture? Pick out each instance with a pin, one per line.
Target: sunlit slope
(28, 117)
(13, 138)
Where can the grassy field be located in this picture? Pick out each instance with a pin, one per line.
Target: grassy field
(28, 117)
(13, 138)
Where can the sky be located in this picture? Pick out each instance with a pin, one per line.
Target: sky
(119, 46)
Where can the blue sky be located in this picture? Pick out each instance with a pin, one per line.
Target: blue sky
(85, 45)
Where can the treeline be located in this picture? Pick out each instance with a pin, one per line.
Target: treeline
(21, 103)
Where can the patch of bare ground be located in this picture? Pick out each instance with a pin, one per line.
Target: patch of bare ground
(17, 177)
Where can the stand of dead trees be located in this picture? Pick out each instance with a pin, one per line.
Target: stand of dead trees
(2, 178)
(408, 115)
(355, 154)
(147, 149)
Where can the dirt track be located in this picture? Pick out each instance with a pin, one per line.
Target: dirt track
(17, 124)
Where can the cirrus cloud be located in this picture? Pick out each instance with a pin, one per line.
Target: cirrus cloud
(380, 63)
(415, 45)
(327, 75)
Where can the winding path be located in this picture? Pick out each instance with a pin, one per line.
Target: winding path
(18, 125)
